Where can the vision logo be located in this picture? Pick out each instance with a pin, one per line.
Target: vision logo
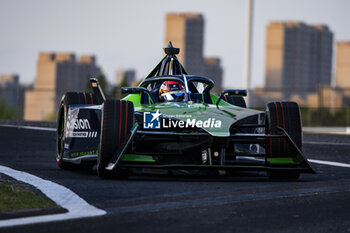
(78, 127)
(151, 120)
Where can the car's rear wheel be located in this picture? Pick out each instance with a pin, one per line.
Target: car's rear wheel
(285, 115)
(68, 99)
(116, 123)
(235, 100)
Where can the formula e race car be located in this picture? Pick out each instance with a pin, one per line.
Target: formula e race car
(172, 121)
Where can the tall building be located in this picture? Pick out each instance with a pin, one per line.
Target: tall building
(343, 64)
(127, 76)
(57, 73)
(186, 31)
(212, 69)
(12, 92)
(342, 72)
(10, 89)
(298, 57)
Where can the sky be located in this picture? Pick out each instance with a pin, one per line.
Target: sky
(131, 34)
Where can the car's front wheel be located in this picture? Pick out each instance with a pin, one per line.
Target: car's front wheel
(285, 115)
(116, 122)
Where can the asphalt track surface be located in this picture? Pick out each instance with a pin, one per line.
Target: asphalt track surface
(246, 202)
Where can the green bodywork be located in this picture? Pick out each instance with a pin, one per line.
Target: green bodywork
(227, 114)
(224, 112)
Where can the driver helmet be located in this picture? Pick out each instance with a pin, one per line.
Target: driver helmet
(171, 91)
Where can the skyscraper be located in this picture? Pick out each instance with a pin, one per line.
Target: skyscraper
(343, 64)
(127, 76)
(213, 70)
(186, 31)
(10, 88)
(298, 57)
(57, 73)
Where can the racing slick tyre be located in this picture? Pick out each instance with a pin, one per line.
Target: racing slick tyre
(116, 122)
(235, 100)
(285, 115)
(68, 99)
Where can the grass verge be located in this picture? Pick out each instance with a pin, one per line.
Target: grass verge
(14, 198)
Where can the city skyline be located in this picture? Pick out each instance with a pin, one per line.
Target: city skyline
(100, 28)
(57, 74)
(298, 57)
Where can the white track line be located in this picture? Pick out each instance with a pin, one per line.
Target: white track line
(323, 162)
(329, 163)
(327, 143)
(327, 130)
(30, 127)
(76, 206)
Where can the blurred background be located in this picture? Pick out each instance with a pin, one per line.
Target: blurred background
(295, 50)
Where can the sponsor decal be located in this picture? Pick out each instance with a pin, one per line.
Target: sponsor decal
(82, 124)
(78, 127)
(85, 134)
(77, 124)
(153, 120)
(191, 123)
(66, 145)
(82, 153)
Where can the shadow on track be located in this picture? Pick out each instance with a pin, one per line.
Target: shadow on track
(185, 175)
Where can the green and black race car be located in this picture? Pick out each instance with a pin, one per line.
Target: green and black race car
(172, 121)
